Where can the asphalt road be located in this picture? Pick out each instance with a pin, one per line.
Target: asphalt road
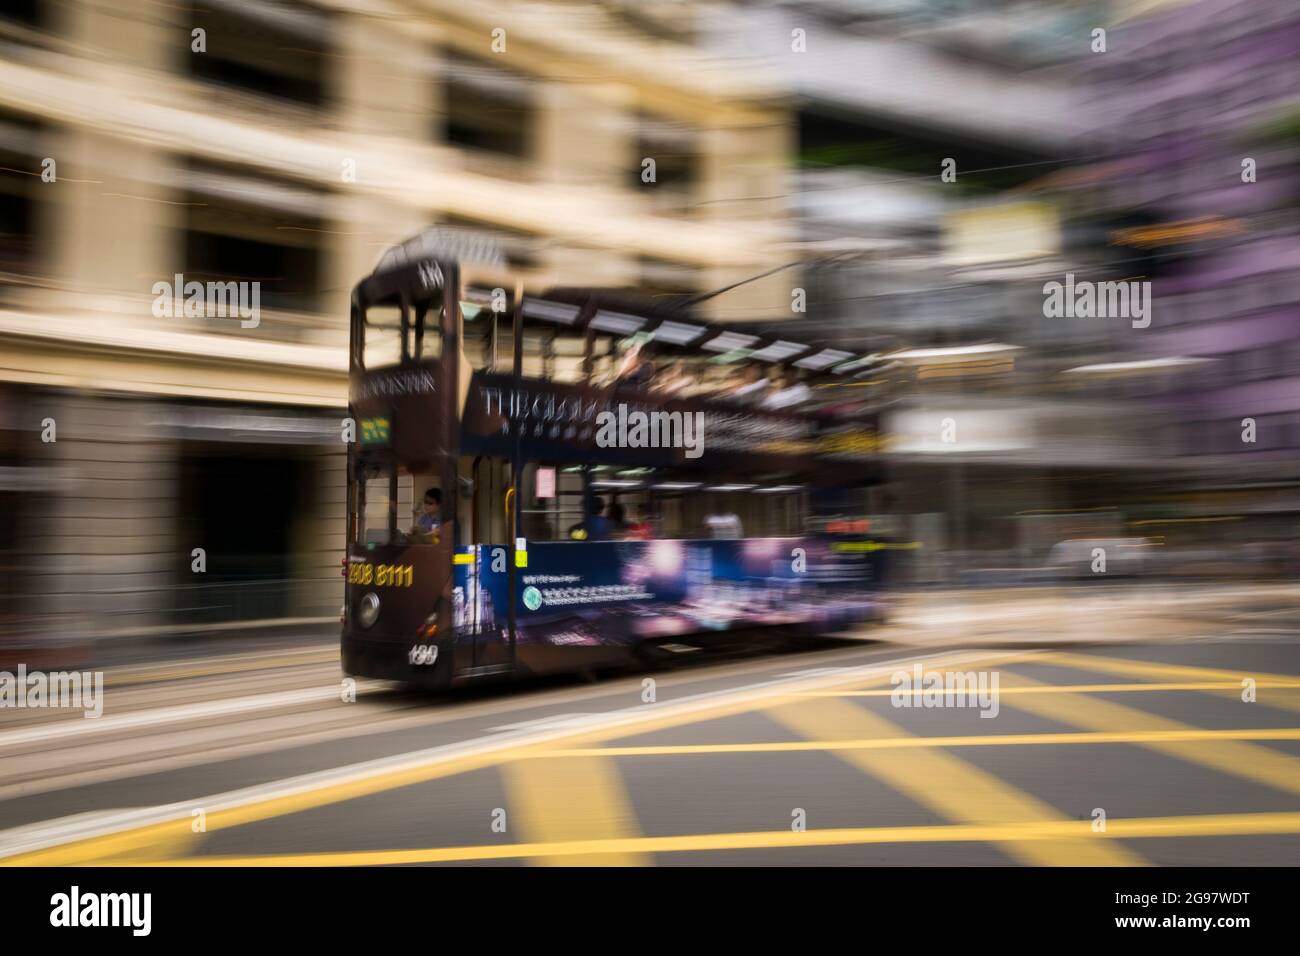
(1135, 748)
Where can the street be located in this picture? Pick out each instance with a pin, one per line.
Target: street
(1116, 727)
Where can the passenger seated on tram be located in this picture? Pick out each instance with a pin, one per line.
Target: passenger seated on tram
(428, 521)
(642, 529)
(596, 527)
(618, 526)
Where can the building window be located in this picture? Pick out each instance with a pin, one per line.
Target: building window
(26, 12)
(243, 228)
(488, 108)
(273, 48)
(20, 199)
(675, 151)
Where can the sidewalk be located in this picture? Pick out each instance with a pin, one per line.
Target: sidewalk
(179, 643)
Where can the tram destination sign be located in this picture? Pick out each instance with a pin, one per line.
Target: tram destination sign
(398, 408)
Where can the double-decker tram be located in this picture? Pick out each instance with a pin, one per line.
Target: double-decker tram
(580, 478)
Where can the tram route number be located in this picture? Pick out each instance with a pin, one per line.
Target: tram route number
(382, 575)
(422, 655)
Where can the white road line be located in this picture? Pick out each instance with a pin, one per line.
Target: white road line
(169, 715)
(82, 827)
(557, 720)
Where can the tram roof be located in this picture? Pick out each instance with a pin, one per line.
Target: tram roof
(674, 320)
(671, 319)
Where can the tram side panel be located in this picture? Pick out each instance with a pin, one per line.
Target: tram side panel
(593, 603)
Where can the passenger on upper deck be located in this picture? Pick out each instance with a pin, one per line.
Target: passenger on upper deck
(751, 385)
(673, 379)
(787, 392)
(634, 369)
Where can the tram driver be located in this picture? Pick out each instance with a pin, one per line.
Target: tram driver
(428, 520)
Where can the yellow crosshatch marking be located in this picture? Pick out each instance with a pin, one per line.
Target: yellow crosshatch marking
(1146, 670)
(1014, 834)
(913, 743)
(565, 799)
(1248, 761)
(1079, 688)
(567, 804)
(948, 785)
(1133, 668)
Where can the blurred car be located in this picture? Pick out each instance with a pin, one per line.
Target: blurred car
(1093, 557)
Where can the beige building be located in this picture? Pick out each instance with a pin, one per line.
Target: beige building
(287, 145)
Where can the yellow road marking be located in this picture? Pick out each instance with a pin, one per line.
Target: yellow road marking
(910, 743)
(568, 800)
(1149, 670)
(138, 839)
(948, 785)
(1078, 832)
(1128, 668)
(1073, 689)
(1235, 758)
(668, 721)
(178, 843)
(134, 840)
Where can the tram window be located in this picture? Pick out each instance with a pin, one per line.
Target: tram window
(384, 336)
(702, 513)
(372, 502)
(549, 519)
(427, 346)
(539, 355)
(537, 359)
(479, 339)
(566, 365)
(602, 370)
(488, 314)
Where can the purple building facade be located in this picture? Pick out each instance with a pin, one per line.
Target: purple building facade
(1198, 105)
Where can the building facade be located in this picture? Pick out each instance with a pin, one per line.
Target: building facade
(283, 146)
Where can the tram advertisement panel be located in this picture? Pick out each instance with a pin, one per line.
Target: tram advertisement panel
(550, 420)
(621, 592)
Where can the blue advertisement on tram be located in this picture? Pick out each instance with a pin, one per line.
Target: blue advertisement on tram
(615, 593)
